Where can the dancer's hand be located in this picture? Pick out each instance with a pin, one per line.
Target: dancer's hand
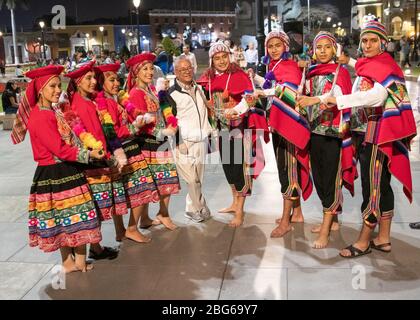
(304, 101)
(96, 154)
(303, 64)
(251, 73)
(258, 93)
(343, 59)
(231, 114)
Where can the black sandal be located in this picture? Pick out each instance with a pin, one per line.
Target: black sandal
(380, 247)
(355, 252)
(107, 253)
(415, 225)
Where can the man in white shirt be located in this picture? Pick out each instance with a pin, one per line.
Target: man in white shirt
(189, 106)
(191, 56)
(251, 57)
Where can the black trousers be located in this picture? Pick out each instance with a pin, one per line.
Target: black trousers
(378, 197)
(286, 165)
(232, 156)
(325, 157)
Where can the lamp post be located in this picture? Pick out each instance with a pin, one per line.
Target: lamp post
(42, 25)
(123, 31)
(101, 29)
(260, 34)
(87, 40)
(137, 5)
(309, 17)
(269, 15)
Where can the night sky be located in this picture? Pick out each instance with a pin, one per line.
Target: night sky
(92, 9)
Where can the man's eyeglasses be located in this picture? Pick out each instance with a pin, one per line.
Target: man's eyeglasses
(189, 69)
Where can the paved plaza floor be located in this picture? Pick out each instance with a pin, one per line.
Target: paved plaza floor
(211, 260)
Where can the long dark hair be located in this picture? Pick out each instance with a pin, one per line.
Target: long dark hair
(9, 86)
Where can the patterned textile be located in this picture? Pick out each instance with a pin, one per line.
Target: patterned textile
(61, 210)
(107, 190)
(138, 181)
(161, 163)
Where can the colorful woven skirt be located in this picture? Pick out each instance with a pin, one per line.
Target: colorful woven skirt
(138, 181)
(107, 190)
(158, 156)
(61, 210)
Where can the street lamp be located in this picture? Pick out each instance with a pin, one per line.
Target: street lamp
(339, 24)
(42, 25)
(328, 19)
(137, 5)
(101, 28)
(1, 34)
(87, 38)
(123, 31)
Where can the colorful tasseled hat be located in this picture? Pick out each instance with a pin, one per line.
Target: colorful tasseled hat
(325, 35)
(374, 26)
(217, 47)
(276, 34)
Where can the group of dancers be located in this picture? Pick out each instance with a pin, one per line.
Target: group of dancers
(103, 152)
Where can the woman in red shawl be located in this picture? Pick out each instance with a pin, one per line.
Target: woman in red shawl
(103, 176)
(136, 176)
(62, 213)
(385, 119)
(290, 130)
(233, 114)
(331, 151)
(157, 124)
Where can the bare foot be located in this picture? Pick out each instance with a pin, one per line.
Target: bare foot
(236, 222)
(69, 267)
(381, 242)
(167, 222)
(298, 218)
(335, 226)
(280, 231)
(231, 209)
(293, 219)
(84, 267)
(146, 223)
(137, 236)
(321, 242)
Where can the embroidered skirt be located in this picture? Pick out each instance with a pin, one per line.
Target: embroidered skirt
(61, 209)
(158, 156)
(138, 180)
(107, 189)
